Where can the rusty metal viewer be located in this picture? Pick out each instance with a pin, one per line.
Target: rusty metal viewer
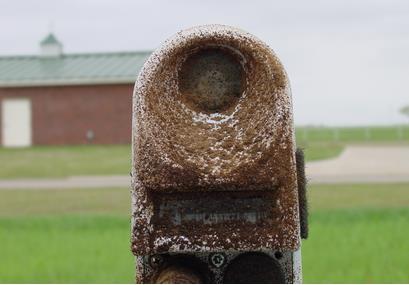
(215, 192)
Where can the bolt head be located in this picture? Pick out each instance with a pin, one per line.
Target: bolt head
(155, 261)
(217, 259)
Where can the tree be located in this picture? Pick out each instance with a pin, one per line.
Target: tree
(405, 111)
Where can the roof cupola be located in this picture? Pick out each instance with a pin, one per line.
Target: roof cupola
(50, 46)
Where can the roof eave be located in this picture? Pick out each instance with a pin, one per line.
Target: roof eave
(67, 82)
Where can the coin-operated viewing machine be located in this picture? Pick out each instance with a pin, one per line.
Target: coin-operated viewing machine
(218, 189)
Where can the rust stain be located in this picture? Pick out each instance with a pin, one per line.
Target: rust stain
(178, 275)
(242, 143)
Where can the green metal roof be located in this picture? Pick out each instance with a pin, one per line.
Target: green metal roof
(71, 69)
(50, 39)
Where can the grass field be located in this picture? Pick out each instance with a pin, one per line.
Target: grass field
(45, 162)
(61, 161)
(358, 233)
(373, 134)
(317, 151)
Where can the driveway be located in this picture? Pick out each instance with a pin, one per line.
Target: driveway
(356, 164)
(363, 164)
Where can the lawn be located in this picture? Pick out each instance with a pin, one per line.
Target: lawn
(65, 249)
(318, 151)
(358, 233)
(372, 134)
(62, 161)
(357, 246)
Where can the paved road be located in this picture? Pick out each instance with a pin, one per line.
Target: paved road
(357, 164)
(363, 164)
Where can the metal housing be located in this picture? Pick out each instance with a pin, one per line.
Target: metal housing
(214, 165)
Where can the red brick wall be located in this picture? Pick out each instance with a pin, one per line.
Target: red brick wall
(64, 114)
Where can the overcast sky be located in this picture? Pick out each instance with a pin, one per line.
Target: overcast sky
(348, 61)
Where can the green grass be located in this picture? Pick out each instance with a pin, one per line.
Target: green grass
(358, 196)
(357, 246)
(373, 134)
(57, 161)
(46, 202)
(60, 161)
(326, 142)
(65, 249)
(354, 246)
(318, 151)
(358, 233)
(116, 201)
(63, 161)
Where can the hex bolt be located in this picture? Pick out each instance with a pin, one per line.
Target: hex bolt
(156, 261)
(217, 259)
(278, 255)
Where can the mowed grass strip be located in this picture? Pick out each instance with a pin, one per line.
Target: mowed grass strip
(15, 202)
(358, 233)
(366, 134)
(62, 161)
(357, 246)
(117, 200)
(66, 249)
(345, 246)
(358, 196)
(319, 151)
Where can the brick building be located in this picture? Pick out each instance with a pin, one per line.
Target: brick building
(55, 98)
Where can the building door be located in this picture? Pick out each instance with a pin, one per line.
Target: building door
(16, 122)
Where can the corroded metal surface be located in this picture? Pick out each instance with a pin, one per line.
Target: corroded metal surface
(285, 264)
(177, 275)
(302, 193)
(254, 268)
(245, 143)
(247, 146)
(211, 79)
(214, 166)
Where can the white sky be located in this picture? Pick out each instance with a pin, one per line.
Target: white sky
(348, 61)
